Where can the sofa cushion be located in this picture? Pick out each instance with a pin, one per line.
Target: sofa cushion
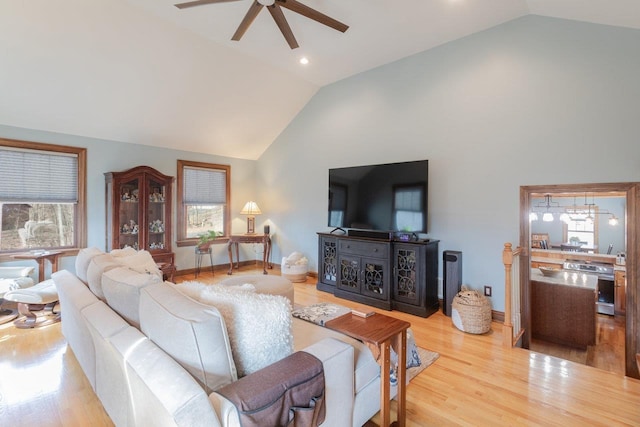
(163, 393)
(97, 266)
(140, 261)
(192, 333)
(259, 325)
(111, 382)
(121, 287)
(83, 259)
(74, 297)
(366, 368)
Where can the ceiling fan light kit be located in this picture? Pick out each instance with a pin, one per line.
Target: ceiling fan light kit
(275, 9)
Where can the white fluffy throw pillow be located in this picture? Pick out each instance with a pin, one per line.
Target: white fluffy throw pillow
(259, 325)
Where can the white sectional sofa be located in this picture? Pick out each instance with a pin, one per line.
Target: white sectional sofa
(155, 356)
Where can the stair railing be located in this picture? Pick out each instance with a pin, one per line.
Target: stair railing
(512, 329)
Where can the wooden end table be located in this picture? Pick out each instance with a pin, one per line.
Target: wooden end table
(39, 257)
(235, 239)
(380, 333)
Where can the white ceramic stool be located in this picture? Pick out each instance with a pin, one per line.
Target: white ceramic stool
(272, 285)
(44, 293)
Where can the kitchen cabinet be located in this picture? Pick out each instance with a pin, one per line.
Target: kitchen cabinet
(138, 203)
(563, 314)
(620, 292)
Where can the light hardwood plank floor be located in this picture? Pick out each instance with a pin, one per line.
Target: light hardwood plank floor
(607, 353)
(475, 382)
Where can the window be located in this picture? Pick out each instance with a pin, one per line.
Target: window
(407, 207)
(581, 227)
(42, 196)
(203, 200)
(337, 204)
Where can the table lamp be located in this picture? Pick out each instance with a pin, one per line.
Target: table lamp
(250, 209)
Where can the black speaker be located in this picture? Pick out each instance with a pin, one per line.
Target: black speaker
(267, 229)
(452, 280)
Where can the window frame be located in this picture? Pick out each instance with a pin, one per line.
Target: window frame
(335, 188)
(80, 210)
(181, 214)
(409, 187)
(582, 210)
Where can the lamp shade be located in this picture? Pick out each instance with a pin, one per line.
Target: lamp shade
(251, 208)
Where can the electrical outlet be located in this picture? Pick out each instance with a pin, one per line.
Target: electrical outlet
(487, 291)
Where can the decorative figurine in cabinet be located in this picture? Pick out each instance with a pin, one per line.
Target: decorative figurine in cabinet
(139, 212)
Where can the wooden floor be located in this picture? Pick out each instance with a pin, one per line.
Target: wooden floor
(475, 382)
(607, 353)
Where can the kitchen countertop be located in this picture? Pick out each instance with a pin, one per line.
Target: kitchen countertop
(567, 278)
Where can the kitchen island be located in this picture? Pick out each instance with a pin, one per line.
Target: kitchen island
(563, 308)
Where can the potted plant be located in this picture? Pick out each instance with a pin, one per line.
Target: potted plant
(205, 240)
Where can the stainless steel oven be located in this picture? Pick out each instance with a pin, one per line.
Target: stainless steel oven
(605, 294)
(604, 273)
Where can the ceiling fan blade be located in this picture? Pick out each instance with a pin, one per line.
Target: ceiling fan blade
(247, 20)
(282, 23)
(200, 3)
(310, 13)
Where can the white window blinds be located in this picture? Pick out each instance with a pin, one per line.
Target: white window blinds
(38, 176)
(205, 186)
(409, 199)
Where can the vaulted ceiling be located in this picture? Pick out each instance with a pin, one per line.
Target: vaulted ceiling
(146, 72)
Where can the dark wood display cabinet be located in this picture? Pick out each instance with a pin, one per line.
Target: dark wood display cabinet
(382, 273)
(138, 205)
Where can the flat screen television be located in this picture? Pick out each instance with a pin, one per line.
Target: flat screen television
(384, 197)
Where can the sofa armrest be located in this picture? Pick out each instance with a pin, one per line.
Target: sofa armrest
(337, 363)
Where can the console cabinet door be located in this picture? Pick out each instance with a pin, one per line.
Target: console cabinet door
(375, 278)
(328, 261)
(349, 273)
(408, 274)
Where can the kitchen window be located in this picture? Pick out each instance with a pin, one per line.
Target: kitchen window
(42, 196)
(203, 200)
(582, 227)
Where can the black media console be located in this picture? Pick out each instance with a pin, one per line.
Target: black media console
(376, 270)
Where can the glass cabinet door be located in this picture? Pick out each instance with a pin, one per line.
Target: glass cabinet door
(375, 278)
(129, 209)
(156, 215)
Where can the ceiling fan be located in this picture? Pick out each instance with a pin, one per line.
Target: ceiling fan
(274, 7)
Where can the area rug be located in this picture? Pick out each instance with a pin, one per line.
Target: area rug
(427, 357)
(320, 313)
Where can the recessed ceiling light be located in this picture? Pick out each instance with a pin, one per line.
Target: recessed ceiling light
(304, 60)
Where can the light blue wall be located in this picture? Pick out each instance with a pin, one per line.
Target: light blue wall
(534, 101)
(107, 156)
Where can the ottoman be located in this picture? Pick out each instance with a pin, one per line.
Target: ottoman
(272, 285)
(42, 294)
(12, 278)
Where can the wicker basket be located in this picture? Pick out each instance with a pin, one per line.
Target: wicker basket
(471, 312)
(294, 272)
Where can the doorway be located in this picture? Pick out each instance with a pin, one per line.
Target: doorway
(529, 199)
